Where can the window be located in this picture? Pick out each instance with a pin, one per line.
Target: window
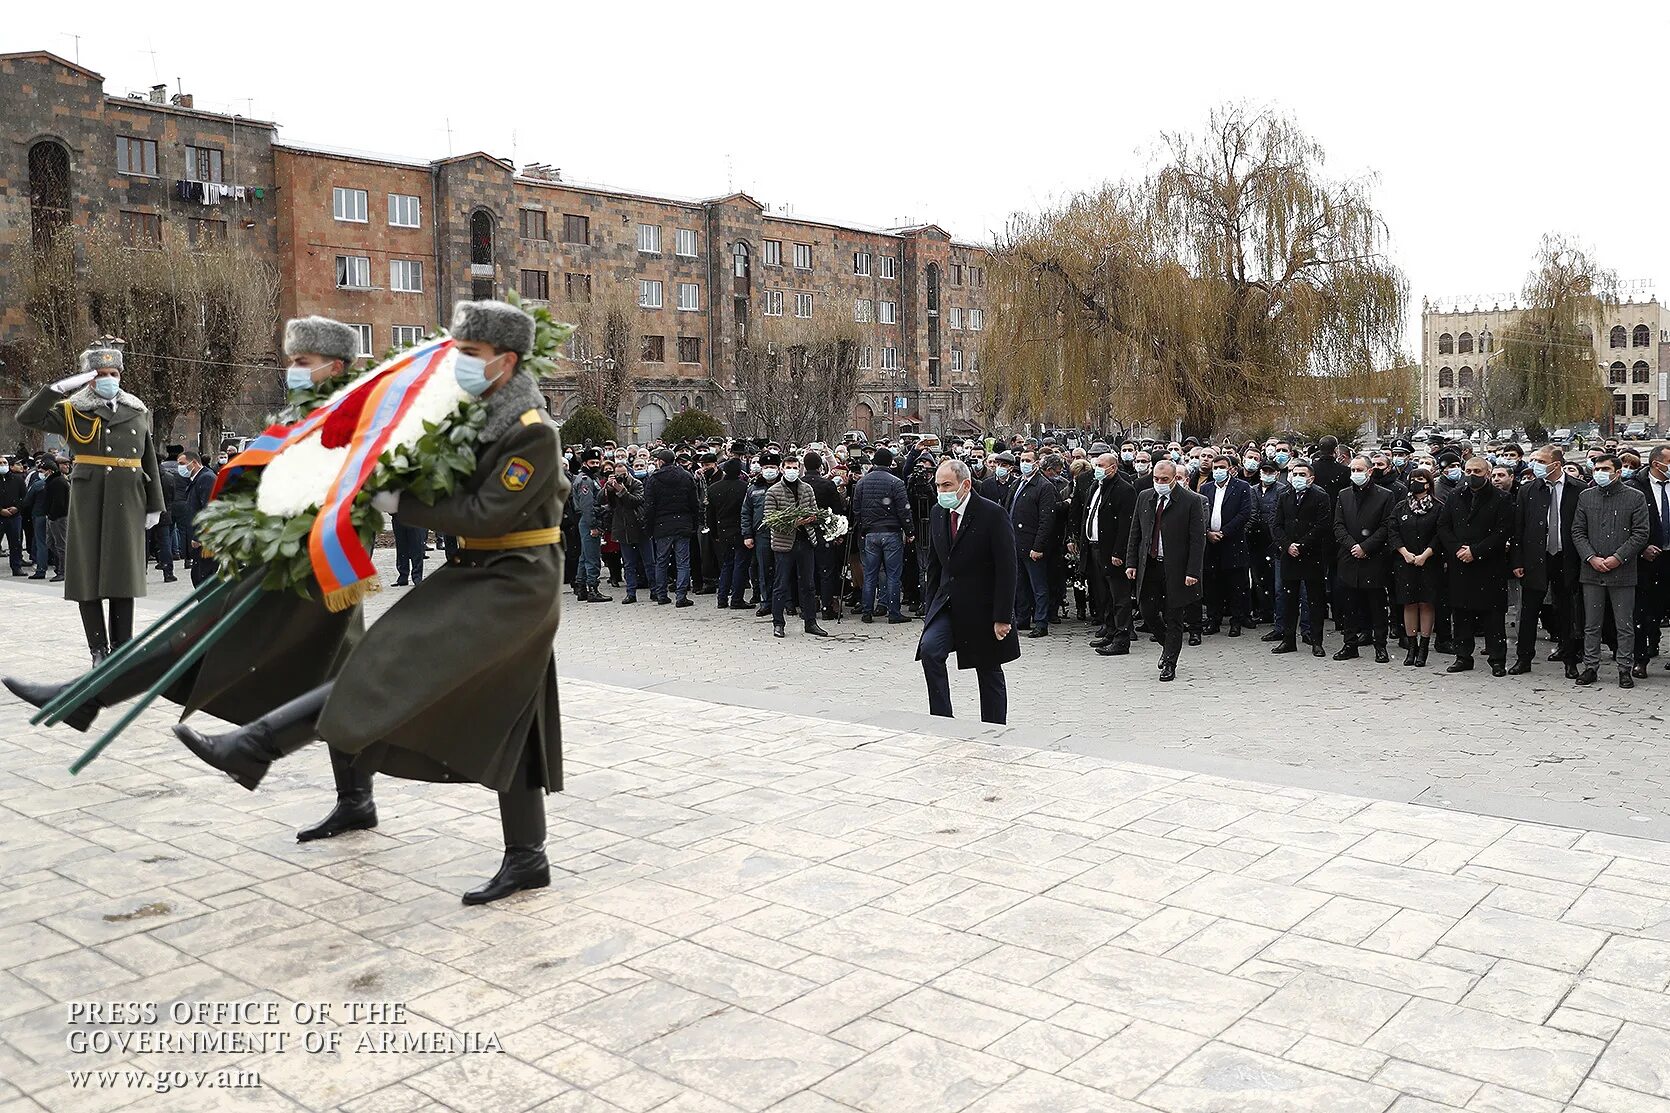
(404, 212)
(1464, 342)
(205, 231)
(933, 370)
(363, 345)
(890, 359)
(956, 359)
(866, 355)
(353, 272)
(1619, 336)
(649, 294)
(956, 274)
(684, 243)
(690, 349)
(861, 262)
(348, 204)
(1618, 403)
(1642, 337)
(1640, 373)
(536, 285)
(1617, 374)
(773, 303)
(771, 252)
(1464, 379)
(803, 256)
(406, 276)
(1446, 376)
(576, 229)
(141, 229)
(405, 336)
(689, 296)
(1638, 406)
(739, 263)
(889, 312)
(203, 164)
(649, 239)
(1446, 407)
(533, 224)
(977, 276)
(577, 287)
(956, 317)
(653, 349)
(803, 305)
(890, 266)
(976, 319)
(861, 310)
(1446, 345)
(136, 156)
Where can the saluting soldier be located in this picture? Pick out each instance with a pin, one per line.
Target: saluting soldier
(485, 709)
(285, 645)
(115, 489)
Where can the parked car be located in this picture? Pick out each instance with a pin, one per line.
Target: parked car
(1636, 429)
(1561, 437)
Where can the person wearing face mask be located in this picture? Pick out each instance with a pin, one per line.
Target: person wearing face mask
(14, 487)
(1103, 537)
(1545, 563)
(1362, 522)
(756, 537)
(881, 517)
(1611, 529)
(590, 506)
(1303, 533)
(1164, 556)
(1652, 589)
(1142, 470)
(320, 354)
(1474, 528)
(1267, 494)
(1230, 506)
(725, 496)
(1418, 564)
(793, 550)
(484, 709)
(624, 493)
(672, 511)
(116, 490)
(1032, 502)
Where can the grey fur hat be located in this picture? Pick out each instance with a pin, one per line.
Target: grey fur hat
(498, 323)
(320, 336)
(101, 359)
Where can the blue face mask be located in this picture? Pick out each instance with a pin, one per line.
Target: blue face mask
(1161, 488)
(298, 378)
(1397, 461)
(1539, 469)
(1281, 458)
(1299, 482)
(1001, 472)
(1220, 474)
(1453, 474)
(1628, 473)
(949, 499)
(1099, 472)
(1026, 468)
(639, 474)
(1603, 479)
(107, 387)
(1267, 477)
(1127, 456)
(471, 374)
(1176, 456)
(1359, 477)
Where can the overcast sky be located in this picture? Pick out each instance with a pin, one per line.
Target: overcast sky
(1485, 126)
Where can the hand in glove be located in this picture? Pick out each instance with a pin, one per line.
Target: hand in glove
(386, 501)
(152, 518)
(74, 382)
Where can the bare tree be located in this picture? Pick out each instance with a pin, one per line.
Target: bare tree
(798, 378)
(606, 345)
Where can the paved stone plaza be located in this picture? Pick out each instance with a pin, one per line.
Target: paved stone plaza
(851, 908)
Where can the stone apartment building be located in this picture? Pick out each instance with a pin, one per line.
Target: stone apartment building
(149, 164)
(1459, 340)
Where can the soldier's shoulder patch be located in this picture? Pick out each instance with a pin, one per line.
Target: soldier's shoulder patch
(516, 474)
(531, 418)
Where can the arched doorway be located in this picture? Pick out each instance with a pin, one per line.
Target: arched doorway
(49, 190)
(651, 420)
(863, 419)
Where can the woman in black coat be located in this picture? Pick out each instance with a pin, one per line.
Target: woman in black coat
(1418, 564)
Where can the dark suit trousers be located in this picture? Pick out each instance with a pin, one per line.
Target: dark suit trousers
(1564, 599)
(936, 645)
(797, 565)
(1652, 604)
(1111, 590)
(1469, 623)
(1364, 610)
(1032, 588)
(1159, 614)
(1314, 581)
(1226, 589)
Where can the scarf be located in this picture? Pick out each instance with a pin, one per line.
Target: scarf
(1420, 504)
(506, 405)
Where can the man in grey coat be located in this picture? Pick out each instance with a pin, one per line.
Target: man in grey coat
(1610, 531)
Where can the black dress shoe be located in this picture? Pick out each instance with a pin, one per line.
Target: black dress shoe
(522, 868)
(1316, 650)
(1519, 667)
(816, 631)
(662, 601)
(402, 582)
(1625, 680)
(629, 599)
(1381, 657)
(1586, 678)
(1571, 670)
(1286, 647)
(685, 603)
(39, 695)
(357, 812)
(1194, 638)
(1113, 649)
(897, 619)
(723, 606)
(828, 614)
(1213, 629)
(1349, 653)
(1461, 664)
(1272, 636)
(761, 612)
(1640, 670)
(1098, 643)
(1168, 671)
(1234, 630)
(595, 596)
(865, 616)
(777, 632)
(1039, 632)
(1498, 669)
(1556, 654)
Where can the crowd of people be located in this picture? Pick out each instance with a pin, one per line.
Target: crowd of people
(1430, 548)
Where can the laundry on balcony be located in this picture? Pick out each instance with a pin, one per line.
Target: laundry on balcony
(211, 193)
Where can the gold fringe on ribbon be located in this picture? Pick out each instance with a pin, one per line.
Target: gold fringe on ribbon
(344, 597)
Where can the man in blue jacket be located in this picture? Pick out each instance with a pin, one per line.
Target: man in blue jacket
(881, 516)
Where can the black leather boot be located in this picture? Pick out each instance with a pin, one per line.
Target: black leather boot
(121, 622)
(355, 809)
(39, 695)
(522, 814)
(1422, 647)
(245, 754)
(92, 624)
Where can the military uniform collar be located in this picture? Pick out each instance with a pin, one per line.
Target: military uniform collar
(87, 402)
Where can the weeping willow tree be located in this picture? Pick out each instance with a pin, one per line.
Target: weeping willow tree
(1546, 371)
(798, 378)
(1228, 279)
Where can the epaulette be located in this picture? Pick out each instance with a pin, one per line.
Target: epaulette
(531, 417)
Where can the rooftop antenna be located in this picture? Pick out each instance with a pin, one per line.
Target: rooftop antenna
(77, 39)
(730, 175)
(513, 161)
(449, 137)
(156, 74)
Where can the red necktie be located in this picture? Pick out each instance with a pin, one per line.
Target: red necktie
(953, 527)
(1154, 545)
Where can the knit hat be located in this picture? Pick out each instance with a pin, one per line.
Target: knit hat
(496, 323)
(882, 457)
(320, 336)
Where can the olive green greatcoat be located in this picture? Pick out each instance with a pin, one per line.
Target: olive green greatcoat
(104, 557)
(467, 713)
